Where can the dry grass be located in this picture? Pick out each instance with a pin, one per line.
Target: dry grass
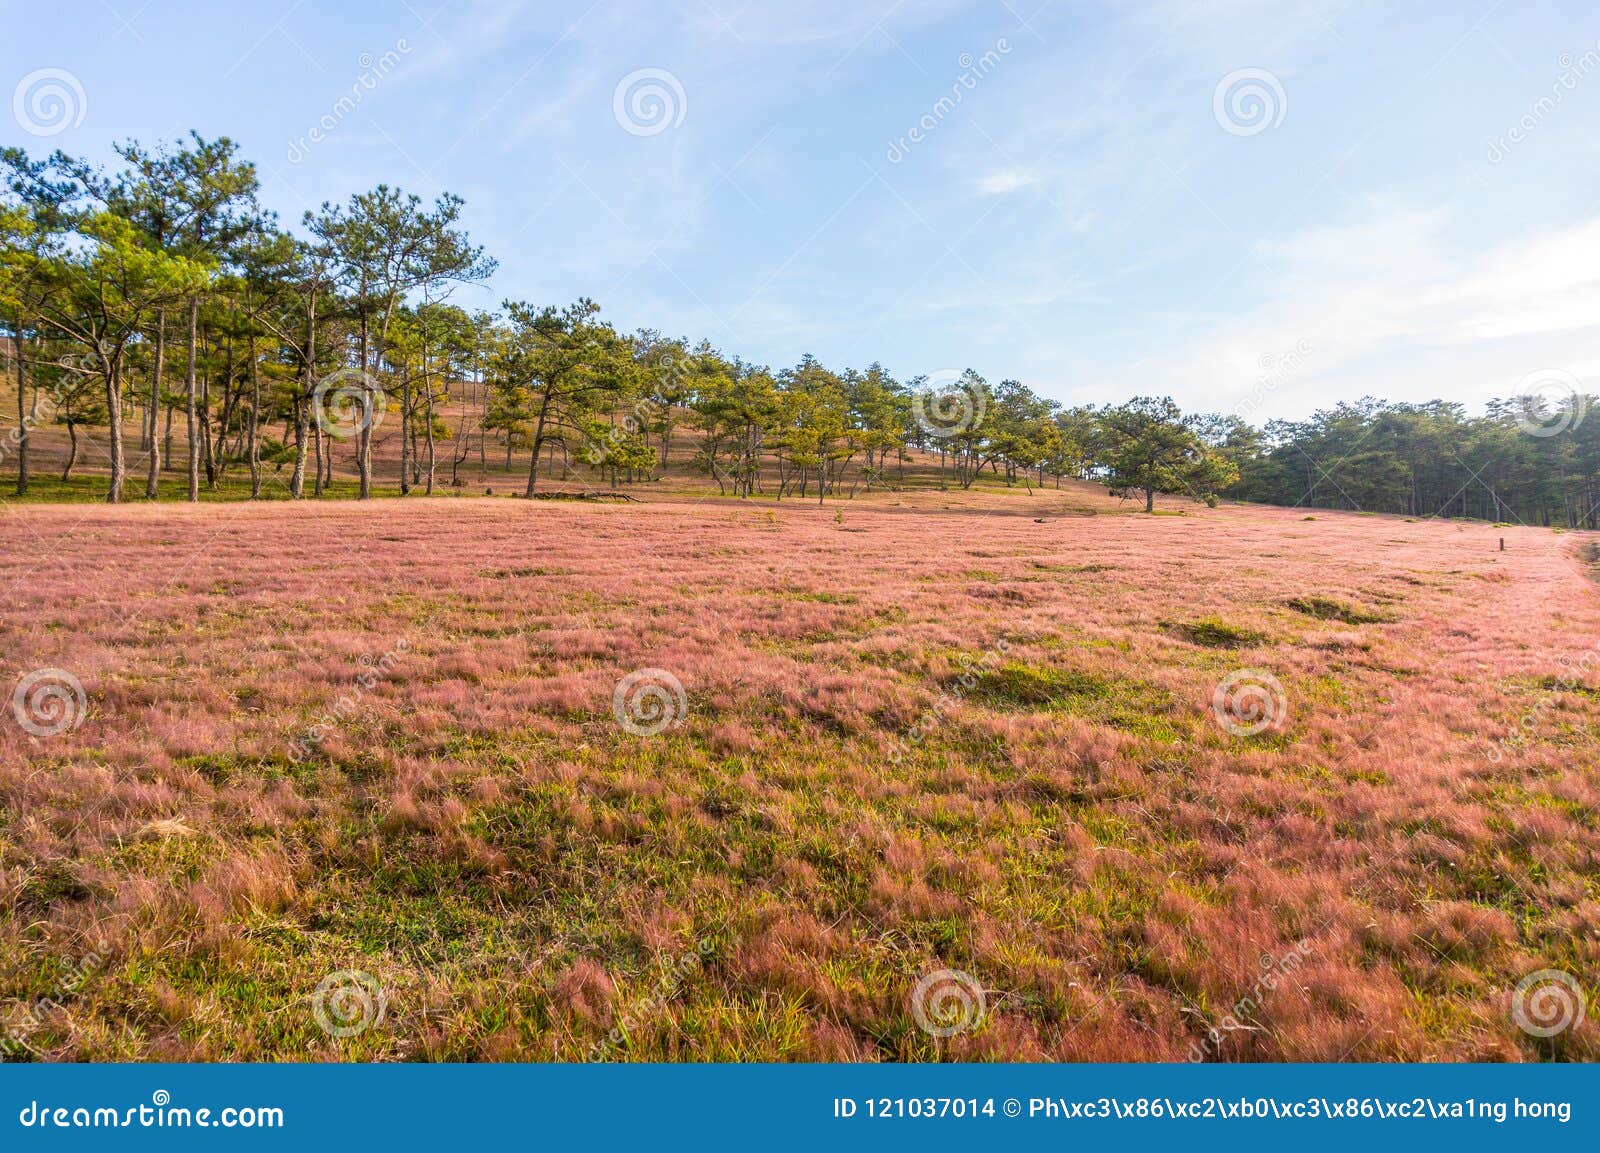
(931, 734)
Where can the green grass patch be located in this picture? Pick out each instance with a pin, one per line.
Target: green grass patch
(1555, 684)
(825, 598)
(1215, 633)
(1046, 566)
(1120, 702)
(1329, 609)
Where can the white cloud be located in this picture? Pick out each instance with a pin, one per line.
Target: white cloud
(1004, 180)
(1387, 308)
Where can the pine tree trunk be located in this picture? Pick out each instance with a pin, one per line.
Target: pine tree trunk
(429, 441)
(408, 449)
(206, 449)
(22, 416)
(538, 443)
(190, 396)
(255, 413)
(152, 479)
(316, 435)
(302, 408)
(368, 416)
(114, 416)
(297, 479)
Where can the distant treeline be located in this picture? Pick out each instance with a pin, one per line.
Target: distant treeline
(1533, 459)
(163, 293)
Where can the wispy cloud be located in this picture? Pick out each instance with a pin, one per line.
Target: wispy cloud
(1004, 180)
(1394, 308)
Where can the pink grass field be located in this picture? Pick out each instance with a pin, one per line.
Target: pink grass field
(927, 733)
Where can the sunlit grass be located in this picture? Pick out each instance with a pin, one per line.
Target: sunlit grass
(899, 755)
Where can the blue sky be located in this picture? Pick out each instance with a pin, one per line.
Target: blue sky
(1092, 216)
